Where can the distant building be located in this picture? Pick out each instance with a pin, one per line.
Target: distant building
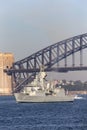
(6, 60)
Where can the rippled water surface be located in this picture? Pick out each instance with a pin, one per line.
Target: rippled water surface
(42, 116)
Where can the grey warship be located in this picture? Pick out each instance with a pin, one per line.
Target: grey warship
(41, 90)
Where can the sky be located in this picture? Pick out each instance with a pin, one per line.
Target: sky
(27, 26)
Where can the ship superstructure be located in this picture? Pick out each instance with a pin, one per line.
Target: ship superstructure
(41, 90)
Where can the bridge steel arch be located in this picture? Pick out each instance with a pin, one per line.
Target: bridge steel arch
(24, 70)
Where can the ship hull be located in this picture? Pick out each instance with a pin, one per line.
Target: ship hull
(21, 97)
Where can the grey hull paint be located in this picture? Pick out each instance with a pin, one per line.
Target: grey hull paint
(21, 97)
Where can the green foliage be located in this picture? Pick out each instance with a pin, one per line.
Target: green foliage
(78, 86)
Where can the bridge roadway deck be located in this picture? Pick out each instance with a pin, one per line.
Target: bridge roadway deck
(59, 69)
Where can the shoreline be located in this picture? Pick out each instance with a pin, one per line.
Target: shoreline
(77, 92)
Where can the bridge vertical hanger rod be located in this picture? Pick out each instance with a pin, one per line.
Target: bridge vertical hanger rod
(57, 55)
(43, 57)
(65, 54)
(35, 62)
(27, 66)
(50, 56)
(12, 82)
(81, 57)
(73, 55)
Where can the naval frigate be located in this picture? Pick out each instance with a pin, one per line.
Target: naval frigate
(41, 90)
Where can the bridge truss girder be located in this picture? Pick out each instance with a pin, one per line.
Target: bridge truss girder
(24, 70)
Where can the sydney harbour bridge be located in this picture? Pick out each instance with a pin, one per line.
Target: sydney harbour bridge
(24, 71)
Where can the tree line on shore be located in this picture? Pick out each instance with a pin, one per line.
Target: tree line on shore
(76, 86)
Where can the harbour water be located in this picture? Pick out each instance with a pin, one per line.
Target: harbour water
(43, 116)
